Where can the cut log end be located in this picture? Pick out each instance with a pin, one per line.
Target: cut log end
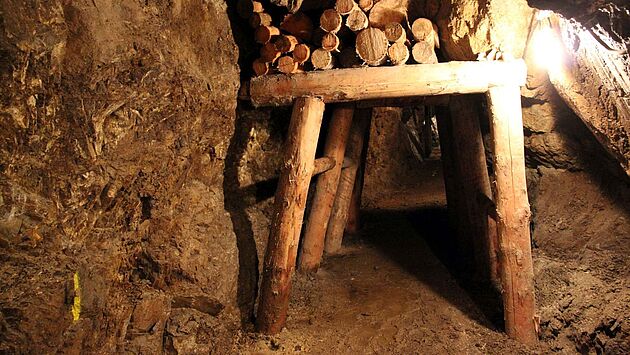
(286, 43)
(395, 32)
(371, 46)
(357, 20)
(330, 21)
(287, 65)
(330, 42)
(385, 12)
(322, 59)
(424, 30)
(269, 53)
(299, 25)
(398, 53)
(424, 53)
(344, 7)
(260, 67)
(260, 19)
(366, 5)
(264, 34)
(301, 53)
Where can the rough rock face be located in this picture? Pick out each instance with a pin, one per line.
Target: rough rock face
(116, 124)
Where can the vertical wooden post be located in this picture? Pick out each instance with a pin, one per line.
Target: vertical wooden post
(290, 200)
(325, 190)
(478, 232)
(451, 185)
(337, 223)
(513, 212)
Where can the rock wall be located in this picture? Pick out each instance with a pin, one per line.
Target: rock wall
(121, 225)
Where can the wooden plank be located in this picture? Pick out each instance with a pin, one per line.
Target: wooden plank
(290, 200)
(343, 85)
(515, 263)
(326, 189)
(339, 216)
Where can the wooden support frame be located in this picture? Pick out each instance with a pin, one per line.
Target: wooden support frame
(512, 209)
(339, 217)
(326, 189)
(499, 80)
(290, 200)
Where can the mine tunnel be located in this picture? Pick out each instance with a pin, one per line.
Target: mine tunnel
(300, 176)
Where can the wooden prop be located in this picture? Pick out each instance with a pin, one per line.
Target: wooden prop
(284, 235)
(325, 189)
(330, 21)
(515, 264)
(371, 46)
(323, 165)
(339, 216)
(354, 84)
(398, 53)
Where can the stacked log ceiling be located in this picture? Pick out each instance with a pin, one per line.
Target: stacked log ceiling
(326, 189)
(476, 232)
(343, 199)
(515, 262)
(290, 200)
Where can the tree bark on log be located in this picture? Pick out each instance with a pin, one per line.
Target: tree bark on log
(339, 216)
(290, 201)
(326, 189)
(515, 263)
(402, 81)
(353, 222)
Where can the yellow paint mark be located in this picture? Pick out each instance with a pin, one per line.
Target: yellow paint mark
(76, 307)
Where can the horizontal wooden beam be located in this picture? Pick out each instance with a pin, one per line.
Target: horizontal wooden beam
(355, 84)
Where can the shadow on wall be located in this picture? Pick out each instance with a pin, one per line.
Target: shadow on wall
(235, 197)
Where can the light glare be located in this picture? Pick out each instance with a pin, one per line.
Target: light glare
(548, 50)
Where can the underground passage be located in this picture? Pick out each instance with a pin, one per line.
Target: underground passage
(301, 176)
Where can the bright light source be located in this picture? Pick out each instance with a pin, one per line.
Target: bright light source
(548, 50)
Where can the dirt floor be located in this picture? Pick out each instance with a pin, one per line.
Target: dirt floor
(390, 291)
